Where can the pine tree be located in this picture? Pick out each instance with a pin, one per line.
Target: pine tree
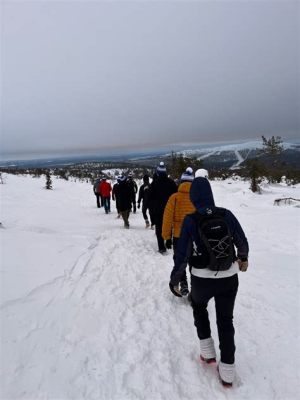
(272, 146)
(255, 171)
(274, 167)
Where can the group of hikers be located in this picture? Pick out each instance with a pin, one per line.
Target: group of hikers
(123, 193)
(207, 238)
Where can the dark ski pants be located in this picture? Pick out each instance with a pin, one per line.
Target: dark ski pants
(144, 211)
(183, 279)
(224, 291)
(133, 201)
(158, 230)
(125, 216)
(106, 203)
(98, 200)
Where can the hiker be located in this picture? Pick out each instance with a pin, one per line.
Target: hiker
(178, 206)
(99, 191)
(161, 189)
(96, 191)
(144, 197)
(214, 272)
(124, 199)
(115, 195)
(134, 189)
(105, 190)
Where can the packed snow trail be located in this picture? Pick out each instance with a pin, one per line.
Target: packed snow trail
(86, 312)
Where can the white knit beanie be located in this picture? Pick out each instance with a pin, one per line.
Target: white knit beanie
(161, 169)
(201, 173)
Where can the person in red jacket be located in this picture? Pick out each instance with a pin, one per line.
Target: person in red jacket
(105, 190)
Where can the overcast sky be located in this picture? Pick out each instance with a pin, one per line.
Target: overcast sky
(87, 75)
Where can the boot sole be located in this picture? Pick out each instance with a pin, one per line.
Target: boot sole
(208, 360)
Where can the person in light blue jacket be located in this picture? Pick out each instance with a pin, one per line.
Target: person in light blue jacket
(206, 283)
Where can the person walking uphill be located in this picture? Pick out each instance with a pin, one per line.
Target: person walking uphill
(207, 241)
(178, 206)
(161, 189)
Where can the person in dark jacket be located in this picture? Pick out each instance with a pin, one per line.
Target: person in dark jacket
(125, 193)
(144, 198)
(96, 191)
(115, 195)
(134, 189)
(207, 284)
(161, 189)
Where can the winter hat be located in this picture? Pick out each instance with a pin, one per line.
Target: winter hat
(161, 169)
(203, 173)
(122, 178)
(187, 176)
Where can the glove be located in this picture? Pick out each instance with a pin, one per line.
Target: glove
(175, 290)
(138, 206)
(168, 243)
(243, 264)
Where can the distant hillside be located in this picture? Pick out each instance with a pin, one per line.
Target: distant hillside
(231, 156)
(224, 156)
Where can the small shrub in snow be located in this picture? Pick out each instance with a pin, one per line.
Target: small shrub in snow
(287, 201)
(48, 181)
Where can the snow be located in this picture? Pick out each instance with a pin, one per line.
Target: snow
(209, 150)
(240, 159)
(86, 312)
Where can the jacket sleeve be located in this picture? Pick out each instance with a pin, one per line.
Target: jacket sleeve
(183, 251)
(168, 219)
(141, 193)
(239, 238)
(100, 188)
(151, 195)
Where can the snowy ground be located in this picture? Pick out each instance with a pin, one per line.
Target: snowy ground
(86, 312)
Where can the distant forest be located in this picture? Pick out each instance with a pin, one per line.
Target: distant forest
(271, 163)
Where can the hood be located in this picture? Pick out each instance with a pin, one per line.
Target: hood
(161, 176)
(146, 178)
(184, 187)
(201, 194)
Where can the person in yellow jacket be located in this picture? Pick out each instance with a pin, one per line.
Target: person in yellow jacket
(177, 207)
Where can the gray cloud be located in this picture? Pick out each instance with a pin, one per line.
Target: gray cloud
(91, 75)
